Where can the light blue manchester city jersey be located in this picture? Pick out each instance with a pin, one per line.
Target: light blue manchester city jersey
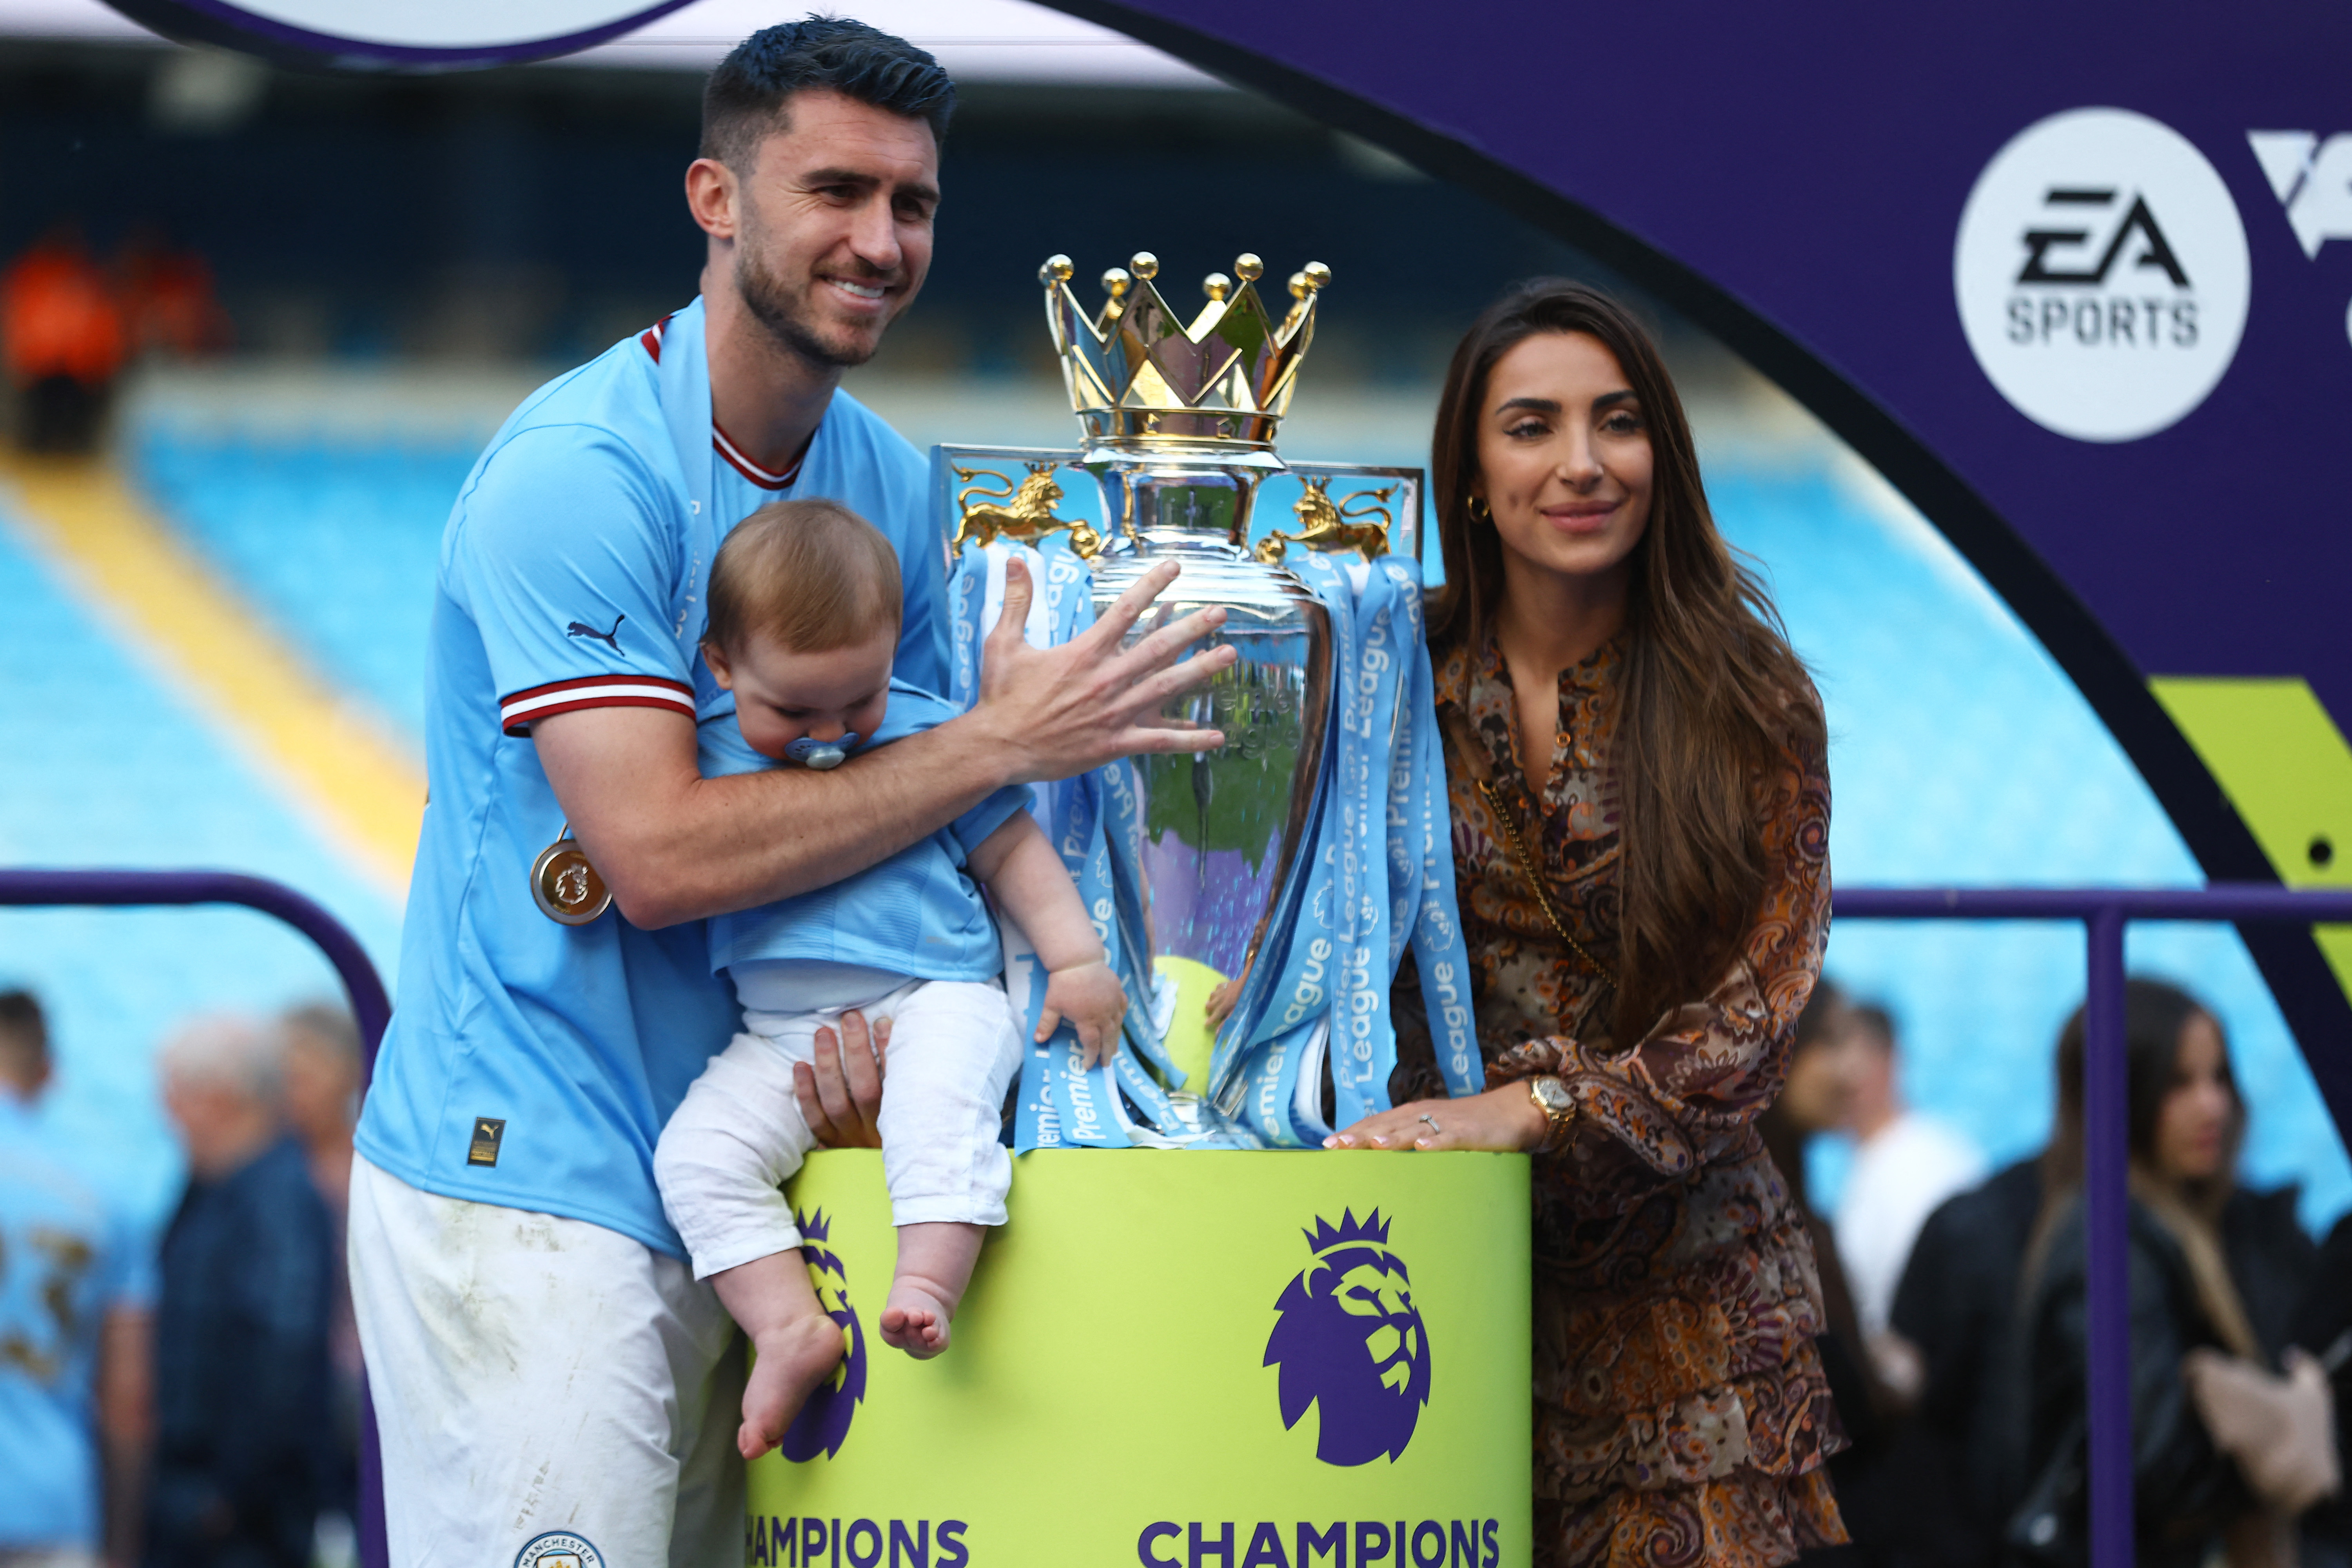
(571, 575)
(917, 913)
(66, 1260)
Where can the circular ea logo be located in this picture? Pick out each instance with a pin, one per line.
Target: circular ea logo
(2102, 274)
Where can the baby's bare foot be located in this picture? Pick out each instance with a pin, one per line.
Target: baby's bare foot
(793, 1359)
(915, 1319)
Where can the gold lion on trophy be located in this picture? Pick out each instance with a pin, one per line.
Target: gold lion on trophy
(1025, 518)
(1325, 526)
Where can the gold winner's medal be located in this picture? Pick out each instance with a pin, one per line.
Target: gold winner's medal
(565, 886)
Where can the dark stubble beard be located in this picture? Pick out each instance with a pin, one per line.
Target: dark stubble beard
(768, 301)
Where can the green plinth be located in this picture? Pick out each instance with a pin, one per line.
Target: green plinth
(1116, 1392)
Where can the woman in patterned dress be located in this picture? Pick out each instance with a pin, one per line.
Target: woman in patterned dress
(1636, 766)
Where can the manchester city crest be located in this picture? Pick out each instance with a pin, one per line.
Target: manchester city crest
(558, 1548)
(823, 1424)
(1350, 1342)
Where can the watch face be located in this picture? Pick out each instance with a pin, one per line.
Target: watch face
(1551, 1093)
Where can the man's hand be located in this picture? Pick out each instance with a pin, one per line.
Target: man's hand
(1060, 711)
(841, 1097)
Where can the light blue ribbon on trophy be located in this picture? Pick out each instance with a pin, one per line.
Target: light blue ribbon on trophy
(1379, 879)
(1309, 1002)
(1376, 880)
(1421, 861)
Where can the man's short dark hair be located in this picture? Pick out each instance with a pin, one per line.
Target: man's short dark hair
(745, 99)
(23, 1033)
(1876, 1024)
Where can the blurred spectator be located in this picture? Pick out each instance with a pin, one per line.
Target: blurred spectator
(242, 1380)
(1812, 1101)
(2322, 1327)
(322, 1090)
(1956, 1309)
(75, 1284)
(168, 299)
(1819, 1096)
(61, 332)
(1905, 1163)
(2213, 1267)
(1816, 1096)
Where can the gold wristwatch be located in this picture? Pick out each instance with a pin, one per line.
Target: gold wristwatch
(1551, 1098)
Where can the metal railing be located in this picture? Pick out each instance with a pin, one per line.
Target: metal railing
(369, 1006)
(370, 1009)
(2104, 912)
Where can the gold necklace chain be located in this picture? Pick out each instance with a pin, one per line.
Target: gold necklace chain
(1535, 879)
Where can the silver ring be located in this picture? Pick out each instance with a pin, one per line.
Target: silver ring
(1434, 1127)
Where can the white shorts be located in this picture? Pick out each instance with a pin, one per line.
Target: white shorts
(739, 1134)
(535, 1375)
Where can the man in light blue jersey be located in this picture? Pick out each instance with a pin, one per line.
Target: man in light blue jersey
(547, 1378)
(77, 1294)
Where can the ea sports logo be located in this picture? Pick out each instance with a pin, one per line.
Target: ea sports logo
(1351, 1341)
(823, 1424)
(2102, 274)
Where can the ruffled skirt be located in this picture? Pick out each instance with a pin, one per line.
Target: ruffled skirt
(1745, 1521)
(1682, 1413)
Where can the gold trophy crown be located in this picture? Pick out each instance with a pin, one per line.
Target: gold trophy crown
(1137, 374)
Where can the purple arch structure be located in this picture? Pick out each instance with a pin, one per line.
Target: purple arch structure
(230, 26)
(1793, 180)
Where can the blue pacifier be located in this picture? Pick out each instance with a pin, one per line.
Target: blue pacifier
(811, 753)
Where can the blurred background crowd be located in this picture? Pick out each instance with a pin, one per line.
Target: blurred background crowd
(188, 1393)
(255, 326)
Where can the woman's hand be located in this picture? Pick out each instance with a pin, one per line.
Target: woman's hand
(1501, 1121)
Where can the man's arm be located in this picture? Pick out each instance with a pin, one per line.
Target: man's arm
(674, 846)
(126, 1420)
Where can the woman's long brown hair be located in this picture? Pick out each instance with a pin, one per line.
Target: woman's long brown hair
(2155, 1016)
(1711, 696)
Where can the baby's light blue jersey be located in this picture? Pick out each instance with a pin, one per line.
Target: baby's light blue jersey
(916, 914)
(66, 1260)
(572, 575)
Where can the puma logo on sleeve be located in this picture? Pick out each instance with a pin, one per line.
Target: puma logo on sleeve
(611, 639)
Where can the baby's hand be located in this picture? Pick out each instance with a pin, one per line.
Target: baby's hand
(1090, 996)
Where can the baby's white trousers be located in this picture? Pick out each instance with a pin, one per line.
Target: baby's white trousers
(739, 1134)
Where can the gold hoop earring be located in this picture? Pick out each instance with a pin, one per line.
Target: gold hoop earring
(1478, 510)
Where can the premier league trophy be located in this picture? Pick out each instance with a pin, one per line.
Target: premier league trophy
(1207, 854)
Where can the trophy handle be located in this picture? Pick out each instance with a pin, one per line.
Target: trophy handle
(1324, 524)
(992, 505)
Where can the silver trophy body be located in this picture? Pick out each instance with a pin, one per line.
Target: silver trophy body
(1220, 827)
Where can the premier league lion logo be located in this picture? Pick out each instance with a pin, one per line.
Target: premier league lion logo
(1351, 1340)
(823, 1424)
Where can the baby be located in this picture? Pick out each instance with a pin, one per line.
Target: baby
(803, 618)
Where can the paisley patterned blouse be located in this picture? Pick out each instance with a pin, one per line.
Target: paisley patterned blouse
(1681, 1414)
